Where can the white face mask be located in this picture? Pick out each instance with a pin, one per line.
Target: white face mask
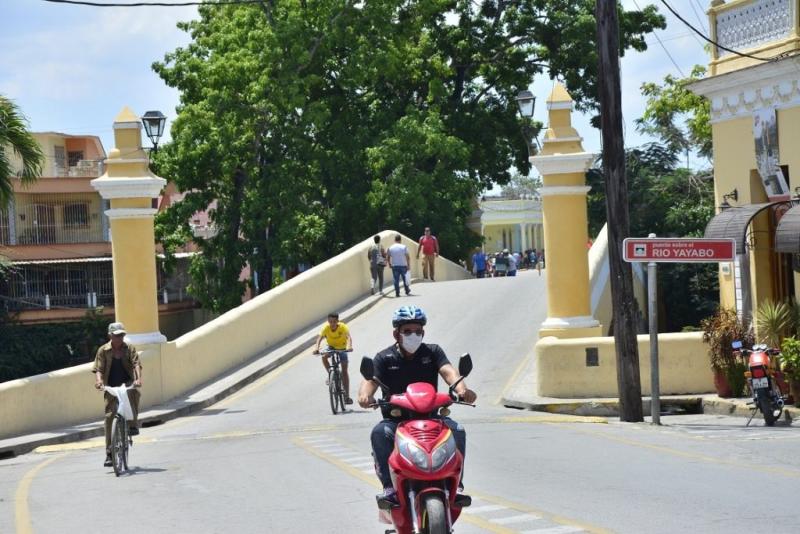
(411, 342)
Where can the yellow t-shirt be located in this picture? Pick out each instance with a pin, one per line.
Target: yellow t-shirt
(336, 339)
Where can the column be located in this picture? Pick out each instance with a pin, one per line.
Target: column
(563, 164)
(130, 186)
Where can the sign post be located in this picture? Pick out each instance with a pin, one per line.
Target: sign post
(670, 250)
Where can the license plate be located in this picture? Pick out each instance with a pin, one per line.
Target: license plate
(760, 383)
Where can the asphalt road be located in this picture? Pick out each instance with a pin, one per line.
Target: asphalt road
(273, 459)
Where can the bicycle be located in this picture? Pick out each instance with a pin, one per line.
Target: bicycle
(121, 440)
(336, 390)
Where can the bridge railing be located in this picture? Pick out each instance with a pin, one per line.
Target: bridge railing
(172, 370)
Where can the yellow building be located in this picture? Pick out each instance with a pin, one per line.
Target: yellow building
(755, 117)
(515, 224)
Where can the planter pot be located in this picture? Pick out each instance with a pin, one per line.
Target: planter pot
(721, 384)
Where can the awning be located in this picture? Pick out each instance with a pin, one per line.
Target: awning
(787, 235)
(732, 223)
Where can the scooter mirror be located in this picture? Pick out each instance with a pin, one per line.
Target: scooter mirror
(736, 344)
(465, 364)
(367, 368)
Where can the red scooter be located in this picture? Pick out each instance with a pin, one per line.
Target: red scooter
(425, 464)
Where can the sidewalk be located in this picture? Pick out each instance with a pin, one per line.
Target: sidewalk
(203, 397)
(520, 394)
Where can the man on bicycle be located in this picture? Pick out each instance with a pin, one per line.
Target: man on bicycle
(407, 361)
(115, 364)
(337, 335)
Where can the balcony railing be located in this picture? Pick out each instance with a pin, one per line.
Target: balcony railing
(53, 218)
(746, 25)
(85, 168)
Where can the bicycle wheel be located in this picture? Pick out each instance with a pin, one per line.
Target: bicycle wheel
(340, 393)
(126, 440)
(333, 379)
(117, 445)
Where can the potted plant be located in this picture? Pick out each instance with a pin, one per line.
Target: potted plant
(774, 321)
(790, 361)
(719, 331)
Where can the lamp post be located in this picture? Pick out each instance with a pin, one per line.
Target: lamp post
(154, 122)
(526, 103)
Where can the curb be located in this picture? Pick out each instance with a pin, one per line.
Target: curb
(159, 414)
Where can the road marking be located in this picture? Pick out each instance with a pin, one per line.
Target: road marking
(22, 513)
(553, 418)
(521, 518)
(95, 443)
(553, 530)
(487, 508)
(791, 473)
(469, 515)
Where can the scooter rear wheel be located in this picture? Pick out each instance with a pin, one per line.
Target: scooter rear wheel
(434, 518)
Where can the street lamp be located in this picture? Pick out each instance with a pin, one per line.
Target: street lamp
(154, 122)
(525, 103)
(733, 195)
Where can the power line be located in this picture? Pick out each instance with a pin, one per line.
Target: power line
(663, 46)
(154, 4)
(696, 14)
(701, 34)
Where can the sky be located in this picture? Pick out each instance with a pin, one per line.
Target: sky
(71, 69)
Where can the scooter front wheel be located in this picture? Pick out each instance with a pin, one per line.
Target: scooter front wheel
(434, 518)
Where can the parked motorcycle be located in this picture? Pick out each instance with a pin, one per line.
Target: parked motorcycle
(762, 379)
(425, 464)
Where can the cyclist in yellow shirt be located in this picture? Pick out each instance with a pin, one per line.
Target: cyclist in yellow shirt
(337, 336)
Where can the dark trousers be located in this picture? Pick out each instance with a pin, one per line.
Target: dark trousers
(377, 277)
(383, 445)
(111, 409)
(481, 273)
(399, 272)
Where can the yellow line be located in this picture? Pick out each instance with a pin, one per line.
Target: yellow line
(465, 514)
(81, 445)
(791, 473)
(551, 418)
(22, 513)
(545, 515)
(266, 379)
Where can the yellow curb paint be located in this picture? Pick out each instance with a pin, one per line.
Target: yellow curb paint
(81, 445)
(791, 473)
(552, 419)
(21, 511)
(541, 513)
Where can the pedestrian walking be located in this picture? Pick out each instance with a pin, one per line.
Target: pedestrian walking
(376, 255)
(429, 247)
(479, 263)
(512, 263)
(399, 260)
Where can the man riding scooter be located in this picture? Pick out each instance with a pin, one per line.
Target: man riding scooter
(407, 361)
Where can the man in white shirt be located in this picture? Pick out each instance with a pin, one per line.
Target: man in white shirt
(399, 260)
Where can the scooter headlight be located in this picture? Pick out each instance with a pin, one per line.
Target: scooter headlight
(412, 453)
(443, 453)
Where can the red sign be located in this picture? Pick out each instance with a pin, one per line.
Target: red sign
(678, 250)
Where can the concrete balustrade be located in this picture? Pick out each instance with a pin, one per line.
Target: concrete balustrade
(173, 369)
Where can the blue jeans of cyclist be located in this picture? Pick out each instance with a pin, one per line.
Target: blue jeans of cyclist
(383, 444)
(398, 272)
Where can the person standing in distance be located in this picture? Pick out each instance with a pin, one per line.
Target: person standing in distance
(377, 261)
(399, 261)
(479, 262)
(429, 247)
(115, 364)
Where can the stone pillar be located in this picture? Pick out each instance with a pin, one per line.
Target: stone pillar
(563, 164)
(130, 186)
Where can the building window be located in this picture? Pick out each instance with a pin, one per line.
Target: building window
(76, 215)
(74, 156)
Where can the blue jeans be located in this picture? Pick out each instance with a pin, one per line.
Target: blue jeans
(383, 444)
(399, 272)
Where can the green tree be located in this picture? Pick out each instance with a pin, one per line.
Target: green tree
(16, 139)
(677, 116)
(305, 127)
(520, 185)
(671, 202)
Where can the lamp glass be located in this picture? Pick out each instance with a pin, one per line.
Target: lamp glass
(154, 122)
(525, 102)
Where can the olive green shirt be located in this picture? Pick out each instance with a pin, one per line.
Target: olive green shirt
(102, 360)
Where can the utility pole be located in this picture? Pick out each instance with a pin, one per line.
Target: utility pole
(623, 300)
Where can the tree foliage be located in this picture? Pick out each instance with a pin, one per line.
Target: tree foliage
(676, 115)
(669, 201)
(16, 139)
(307, 126)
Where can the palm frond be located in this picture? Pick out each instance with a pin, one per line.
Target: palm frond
(14, 136)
